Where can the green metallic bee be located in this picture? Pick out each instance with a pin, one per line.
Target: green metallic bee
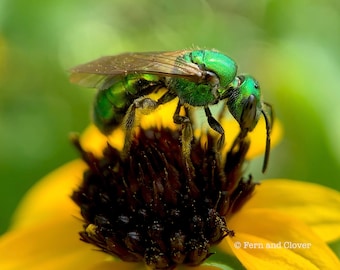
(198, 78)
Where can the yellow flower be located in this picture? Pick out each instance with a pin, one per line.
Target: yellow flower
(284, 225)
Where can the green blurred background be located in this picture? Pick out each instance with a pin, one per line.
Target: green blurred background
(292, 47)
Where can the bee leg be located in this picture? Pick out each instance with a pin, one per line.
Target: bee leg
(215, 125)
(187, 132)
(145, 105)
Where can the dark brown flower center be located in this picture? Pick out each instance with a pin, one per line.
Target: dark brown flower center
(155, 207)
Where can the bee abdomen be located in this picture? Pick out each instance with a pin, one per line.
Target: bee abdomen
(111, 104)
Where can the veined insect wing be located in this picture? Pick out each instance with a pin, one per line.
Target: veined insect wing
(103, 72)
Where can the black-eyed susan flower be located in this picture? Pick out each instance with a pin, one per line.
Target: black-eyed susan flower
(150, 209)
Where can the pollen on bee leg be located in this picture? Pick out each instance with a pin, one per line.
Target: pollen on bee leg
(142, 105)
(187, 136)
(146, 105)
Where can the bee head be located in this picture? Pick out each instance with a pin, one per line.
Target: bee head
(245, 104)
(244, 101)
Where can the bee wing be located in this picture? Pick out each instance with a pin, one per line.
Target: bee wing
(105, 71)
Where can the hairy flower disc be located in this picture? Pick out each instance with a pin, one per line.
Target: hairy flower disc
(155, 207)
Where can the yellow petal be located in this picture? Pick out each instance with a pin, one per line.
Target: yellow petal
(316, 205)
(257, 136)
(94, 141)
(55, 245)
(50, 245)
(50, 197)
(162, 117)
(266, 239)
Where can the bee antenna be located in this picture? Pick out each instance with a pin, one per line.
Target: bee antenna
(269, 124)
